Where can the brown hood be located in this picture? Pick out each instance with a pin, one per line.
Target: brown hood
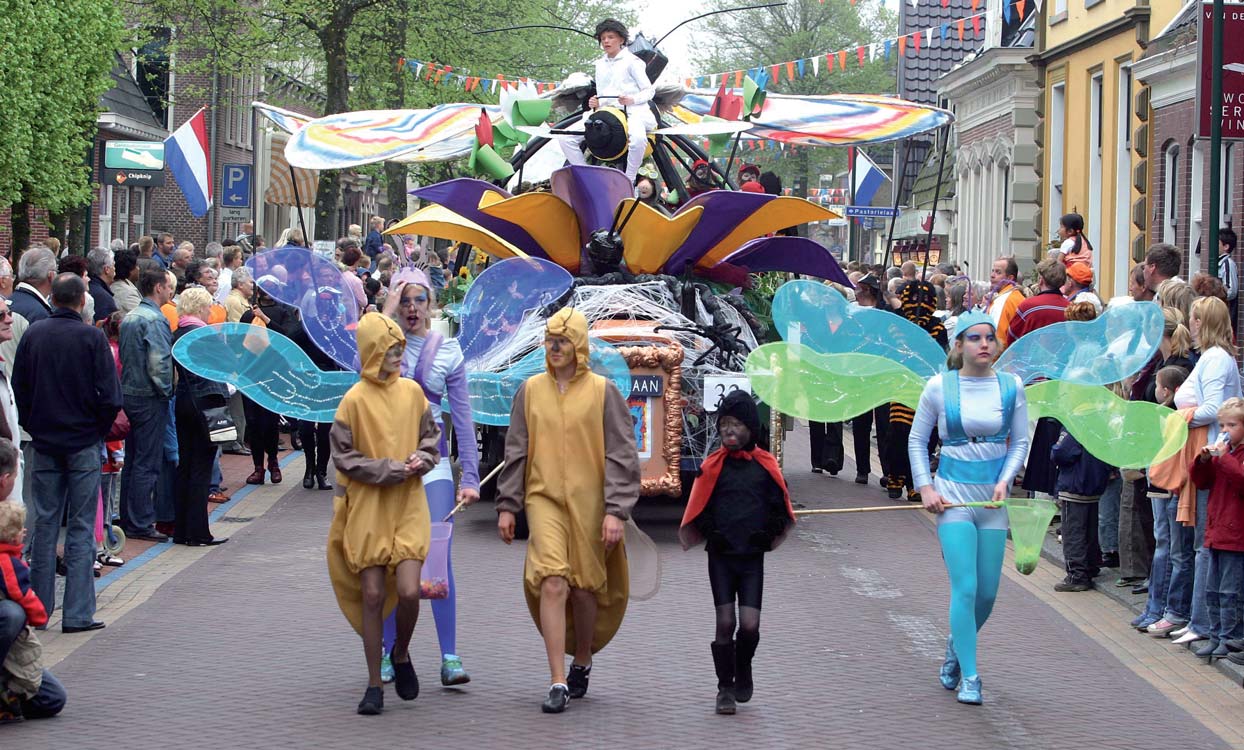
(376, 335)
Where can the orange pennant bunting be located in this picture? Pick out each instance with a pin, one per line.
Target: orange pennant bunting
(842, 59)
(738, 78)
(915, 40)
(976, 25)
(790, 71)
(859, 53)
(960, 25)
(829, 62)
(776, 74)
(1019, 5)
(902, 46)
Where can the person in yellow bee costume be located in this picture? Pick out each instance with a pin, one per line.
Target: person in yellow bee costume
(384, 439)
(571, 461)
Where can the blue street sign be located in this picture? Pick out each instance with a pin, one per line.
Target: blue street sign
(881, 212)
(237, 192)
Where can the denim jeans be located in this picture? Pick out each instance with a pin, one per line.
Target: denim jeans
(217, 477)
(144, 452)
(1160, 570)
(1224, 589)
(68, 482)
(1108, 516)
(51, 696)
(1183, 566)
(166, 488)
(1200, 612)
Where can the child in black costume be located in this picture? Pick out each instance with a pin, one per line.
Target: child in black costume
(740, 507)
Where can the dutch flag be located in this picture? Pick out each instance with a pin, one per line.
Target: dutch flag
(187, 157)
(868, 178)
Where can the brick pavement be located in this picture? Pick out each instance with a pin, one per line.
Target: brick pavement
(245, 648)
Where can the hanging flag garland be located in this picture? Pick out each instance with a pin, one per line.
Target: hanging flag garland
(911, 43)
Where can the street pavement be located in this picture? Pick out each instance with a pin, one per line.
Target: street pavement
(242, 646)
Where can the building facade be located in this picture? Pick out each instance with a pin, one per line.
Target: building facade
(1091, 122)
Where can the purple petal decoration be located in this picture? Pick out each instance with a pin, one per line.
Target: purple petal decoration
(723, 211)
(790, 254)
(462, 196)
(594, 193)
(296, 276)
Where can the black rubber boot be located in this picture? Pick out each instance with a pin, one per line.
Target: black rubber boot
(322, 482)
(744, 650)
(723, 660)
(308, 479)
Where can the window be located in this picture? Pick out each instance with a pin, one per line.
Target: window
(1004, 241)
(1196, 191)
(1057, 141)
(1170, 192)
(1227, 186)
(1096, 127)
(152, 72)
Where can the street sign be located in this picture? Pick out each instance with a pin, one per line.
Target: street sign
(134, 155)
(1232, 114)
(134, 177)
(882, 212)
(716, 387)
(237, 187)
(229, 213)
(647, 386)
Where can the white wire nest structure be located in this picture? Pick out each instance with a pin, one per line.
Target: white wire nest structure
(647, 305)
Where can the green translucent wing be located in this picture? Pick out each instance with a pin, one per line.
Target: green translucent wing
(796, 380)
(1125, 434)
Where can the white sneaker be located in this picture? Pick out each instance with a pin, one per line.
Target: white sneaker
(1189, 637)
(1178, 633)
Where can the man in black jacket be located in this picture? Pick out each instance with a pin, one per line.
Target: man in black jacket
(68, 394)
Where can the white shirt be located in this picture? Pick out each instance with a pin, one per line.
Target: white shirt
(1215, 379)
(224, 284)
(623, 74)
(1227, 274)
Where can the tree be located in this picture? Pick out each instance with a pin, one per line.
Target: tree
(58, 54)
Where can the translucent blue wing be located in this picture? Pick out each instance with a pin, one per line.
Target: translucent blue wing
(492, 393)
(267, 367)
(296, 276)
(1106, 350)
(500, 296)
(821, 319)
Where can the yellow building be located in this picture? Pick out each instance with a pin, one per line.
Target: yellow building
(1093, 134)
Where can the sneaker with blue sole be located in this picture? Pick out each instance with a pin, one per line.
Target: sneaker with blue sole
(452, 672)
(970, 691)
(949, 673)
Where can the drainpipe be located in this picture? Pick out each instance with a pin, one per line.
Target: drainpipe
(211, 167)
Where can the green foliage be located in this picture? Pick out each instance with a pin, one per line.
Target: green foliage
(56, 63)
(798, 30)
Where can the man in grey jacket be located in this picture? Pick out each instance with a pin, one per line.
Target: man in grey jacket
(146, 349)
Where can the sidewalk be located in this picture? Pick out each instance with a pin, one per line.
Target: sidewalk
(1052, 550)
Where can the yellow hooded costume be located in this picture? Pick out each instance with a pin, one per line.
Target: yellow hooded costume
(380, 516)
(570, 458)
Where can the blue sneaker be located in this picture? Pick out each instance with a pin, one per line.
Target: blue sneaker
(949, 674)
(386, 669)
(452, 672)
(970, 691)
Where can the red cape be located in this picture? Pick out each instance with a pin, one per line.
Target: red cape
(704, 484)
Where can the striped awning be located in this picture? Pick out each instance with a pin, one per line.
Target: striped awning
(280, 190)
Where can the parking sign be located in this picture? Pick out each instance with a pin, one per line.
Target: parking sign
(237, 192)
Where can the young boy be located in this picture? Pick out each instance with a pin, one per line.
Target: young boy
(384, 439)
(621, 82)
(1220, 467)
(1082, 479)
(740, 505)
(15, 586)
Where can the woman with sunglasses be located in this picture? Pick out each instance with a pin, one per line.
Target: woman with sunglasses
(437, 365)
(982, 418)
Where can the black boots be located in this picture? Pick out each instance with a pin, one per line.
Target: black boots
(321, 481)
(723, 660)
(308, 479)
(744, 649)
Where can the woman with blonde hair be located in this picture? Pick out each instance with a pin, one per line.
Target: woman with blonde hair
(1213, 380)
(1176, 293)
(195, 450)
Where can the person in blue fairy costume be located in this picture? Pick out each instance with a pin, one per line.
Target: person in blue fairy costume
(437, 365)
(982, 418)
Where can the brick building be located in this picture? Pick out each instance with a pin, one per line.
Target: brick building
(1174, 180)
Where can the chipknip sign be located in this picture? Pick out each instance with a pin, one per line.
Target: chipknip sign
(1232, 113)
